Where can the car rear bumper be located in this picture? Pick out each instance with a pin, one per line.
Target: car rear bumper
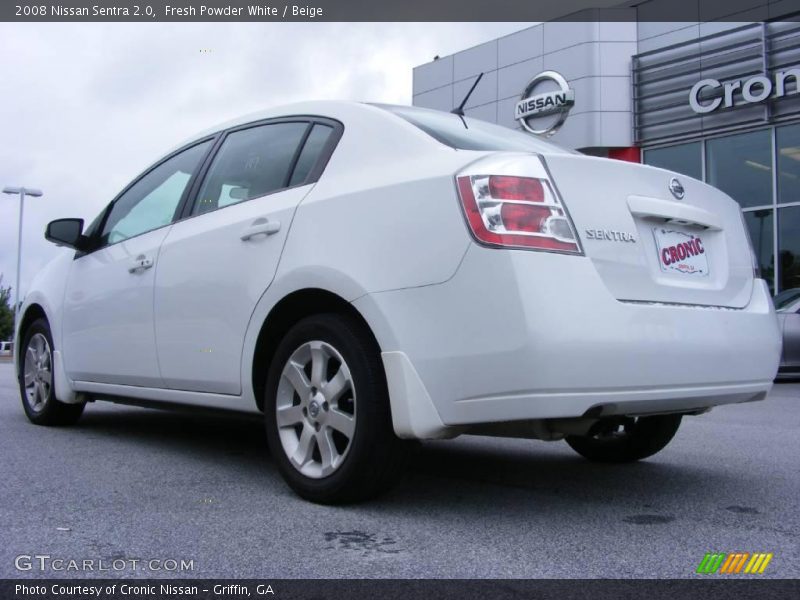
(518, 335)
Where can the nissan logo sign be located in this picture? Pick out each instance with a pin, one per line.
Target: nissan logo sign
(752, 90)
(545, 112)
(676, 187)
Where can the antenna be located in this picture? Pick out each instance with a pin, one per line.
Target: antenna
(459, 110)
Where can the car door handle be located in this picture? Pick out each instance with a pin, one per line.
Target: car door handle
(142, 263)
(260, 226)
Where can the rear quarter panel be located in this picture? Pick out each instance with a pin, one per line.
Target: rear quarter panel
(385, 227)
(385, 213)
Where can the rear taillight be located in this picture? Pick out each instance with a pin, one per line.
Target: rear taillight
(512, 211)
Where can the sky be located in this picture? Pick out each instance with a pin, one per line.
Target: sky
(86, 107)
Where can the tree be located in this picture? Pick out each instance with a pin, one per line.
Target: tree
(6, 312)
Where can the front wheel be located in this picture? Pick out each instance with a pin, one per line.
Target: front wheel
(626, 439)
(327, 411)
(36, 380)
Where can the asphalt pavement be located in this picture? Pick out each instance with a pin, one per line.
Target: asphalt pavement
(132, 485)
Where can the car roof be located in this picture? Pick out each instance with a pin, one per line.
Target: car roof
(333, 109)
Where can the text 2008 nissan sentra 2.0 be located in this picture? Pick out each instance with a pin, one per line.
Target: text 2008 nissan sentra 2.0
(367, 275)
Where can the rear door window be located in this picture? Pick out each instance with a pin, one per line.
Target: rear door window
(250, 163)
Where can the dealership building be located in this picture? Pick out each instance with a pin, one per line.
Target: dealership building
(716, 99)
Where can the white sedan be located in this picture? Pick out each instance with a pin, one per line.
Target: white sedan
(368, 275)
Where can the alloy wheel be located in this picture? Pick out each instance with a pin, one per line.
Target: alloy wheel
(316, 409)
(37, 372)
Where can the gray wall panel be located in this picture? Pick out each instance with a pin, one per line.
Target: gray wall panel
(472, 61)
(563, 34)
(587, 95)
(440, 98)
(580, 131)
(618, 31)
(485, 92)
(616, 129)
(433, 74)
(575, 62)
(521, 46)
(512, 80)
(615, 57)
(615, 94)
(505, 113)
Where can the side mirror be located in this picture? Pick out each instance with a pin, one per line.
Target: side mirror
(66, 232)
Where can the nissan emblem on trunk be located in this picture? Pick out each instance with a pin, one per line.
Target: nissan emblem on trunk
(676, 187)
(544, 112)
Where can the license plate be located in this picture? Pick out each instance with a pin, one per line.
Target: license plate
(681, 252)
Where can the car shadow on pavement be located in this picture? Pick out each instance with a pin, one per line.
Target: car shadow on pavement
(533, 481)
(471, 469)
(538, 466)
(201, 433)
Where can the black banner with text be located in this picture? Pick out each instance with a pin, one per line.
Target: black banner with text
(462, 589)
(408, 10)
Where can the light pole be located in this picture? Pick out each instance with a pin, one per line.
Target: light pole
(22, 193)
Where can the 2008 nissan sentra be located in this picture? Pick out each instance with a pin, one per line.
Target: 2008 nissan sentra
(368, 275)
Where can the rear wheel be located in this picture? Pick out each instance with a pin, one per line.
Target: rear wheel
(626, 439)
(36, 380)
(327, 412)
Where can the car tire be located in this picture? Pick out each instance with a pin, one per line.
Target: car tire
(626, 439)
(333, 442)
(36, 380)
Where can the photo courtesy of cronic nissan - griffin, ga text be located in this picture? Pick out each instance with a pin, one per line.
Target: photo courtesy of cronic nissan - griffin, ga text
(369, 275)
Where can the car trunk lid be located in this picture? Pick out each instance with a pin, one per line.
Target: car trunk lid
(649, 244)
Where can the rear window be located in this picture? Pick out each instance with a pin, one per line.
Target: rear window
(471, 134)
(315, 144)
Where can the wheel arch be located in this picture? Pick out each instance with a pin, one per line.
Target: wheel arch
(292, 308)
(32, 312)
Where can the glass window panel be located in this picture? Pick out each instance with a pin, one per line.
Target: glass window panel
(310, 153)
(789, 248)
(251, 163)
(741, 166)
(759, 224)
(788, 139)
(151, 202)
(684, 158)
